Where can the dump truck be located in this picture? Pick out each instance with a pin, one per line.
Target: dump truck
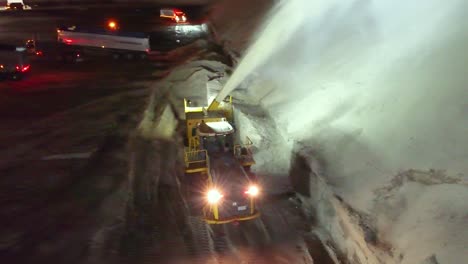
(214, 155)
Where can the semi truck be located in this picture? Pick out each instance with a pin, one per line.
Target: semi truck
(98, 42)
(14, 62)
(75, 44)
(220, 164)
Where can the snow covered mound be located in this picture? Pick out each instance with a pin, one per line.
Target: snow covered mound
(377, 91)
(423, 212)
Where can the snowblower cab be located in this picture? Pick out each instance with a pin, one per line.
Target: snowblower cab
(212, 152)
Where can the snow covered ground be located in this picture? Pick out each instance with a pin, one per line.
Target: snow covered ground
(373, 96)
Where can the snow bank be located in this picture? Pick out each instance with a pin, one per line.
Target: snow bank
(189, 79)
(432, 218)
(377, 91)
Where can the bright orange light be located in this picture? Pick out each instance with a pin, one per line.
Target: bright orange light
(214, 196)
(253, 191)
(112, 25)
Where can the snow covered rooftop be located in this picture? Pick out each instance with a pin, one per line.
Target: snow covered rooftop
(215, 128)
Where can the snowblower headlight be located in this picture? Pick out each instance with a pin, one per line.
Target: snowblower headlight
(213, 196)
(253, 190)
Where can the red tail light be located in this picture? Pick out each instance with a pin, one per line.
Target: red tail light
(22, 69)
(68, 41)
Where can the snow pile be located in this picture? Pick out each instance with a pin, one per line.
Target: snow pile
(377, 92)
(424, 206)
(190, 79)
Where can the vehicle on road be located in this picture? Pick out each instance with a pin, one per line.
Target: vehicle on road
(220, 164)
(14, 63)
(16, 5)
(85, 43)
(31, 47)
(173, 14)
(52, 51)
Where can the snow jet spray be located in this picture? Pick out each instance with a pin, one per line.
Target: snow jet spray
(276, 34)
(380, 87)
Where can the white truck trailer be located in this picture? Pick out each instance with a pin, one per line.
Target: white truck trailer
(85, 43)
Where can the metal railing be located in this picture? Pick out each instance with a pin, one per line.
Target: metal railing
(194, 143)
(244, 152)
(196, 159)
